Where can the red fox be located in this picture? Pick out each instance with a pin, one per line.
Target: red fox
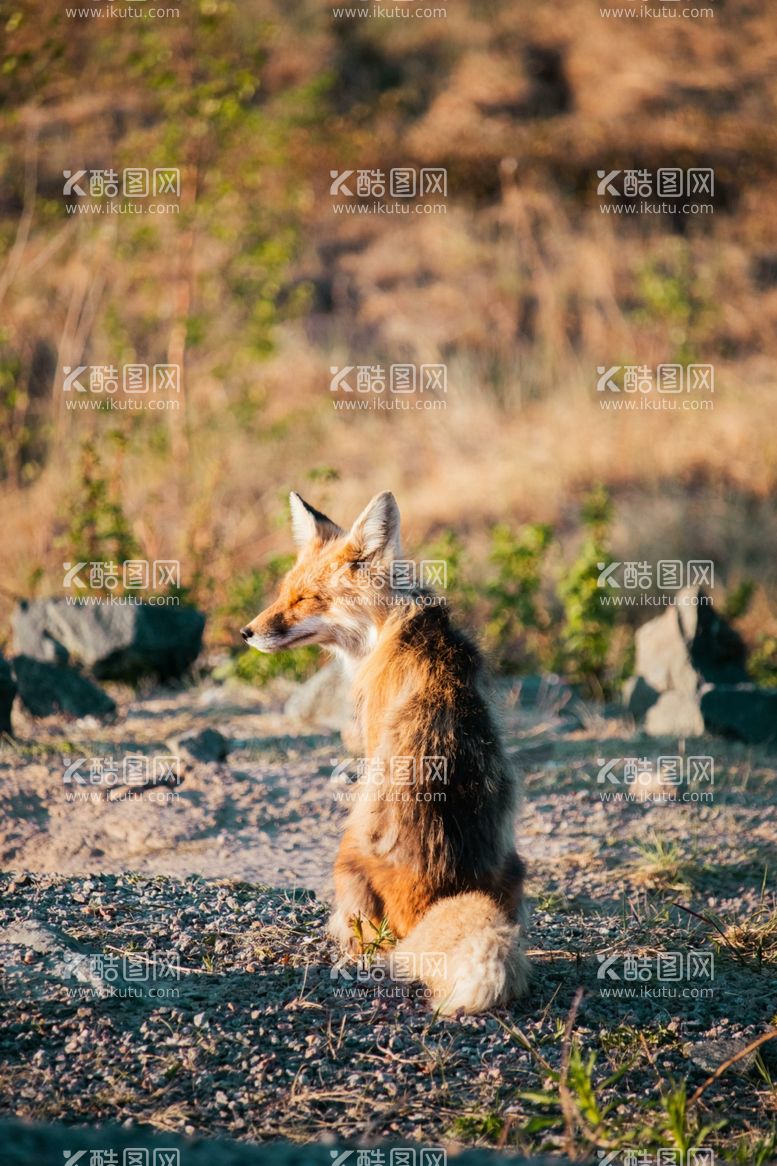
(443, 872)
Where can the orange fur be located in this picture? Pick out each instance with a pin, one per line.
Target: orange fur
(434, 863)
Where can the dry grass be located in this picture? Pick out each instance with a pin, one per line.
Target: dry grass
(755, 937)
(663, 866)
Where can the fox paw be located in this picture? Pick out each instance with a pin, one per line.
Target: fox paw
(340, 927)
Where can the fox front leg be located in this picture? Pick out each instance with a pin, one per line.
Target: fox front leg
(357, 908)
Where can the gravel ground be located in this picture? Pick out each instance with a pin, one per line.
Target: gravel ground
(165, 965)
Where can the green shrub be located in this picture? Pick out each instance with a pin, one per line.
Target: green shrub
(98, 530)
(522, 633)
(585, 637)
(517, 620)
(250, 592)
(460, 591)
(738, 600)
(254, 667)
(247, 596)
(762, 664)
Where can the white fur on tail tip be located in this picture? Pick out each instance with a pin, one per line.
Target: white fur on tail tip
(467, 952)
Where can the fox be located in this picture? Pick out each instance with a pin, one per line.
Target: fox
(441, 872)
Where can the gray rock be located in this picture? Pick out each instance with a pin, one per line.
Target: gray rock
(7, 693)
(112, 641)
(60, 960)
(690, 676)
(324, 700)
(743, 711)
(709, 1055)
(638, 697)
(662, 657)
(31, 625)
(675, 714)
(690, 644)
(45, 689)
(206, 746)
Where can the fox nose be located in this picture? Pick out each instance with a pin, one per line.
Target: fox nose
(246, 633)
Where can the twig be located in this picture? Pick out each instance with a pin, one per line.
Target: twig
(509, 1121)
(652, 1060)
(535, 952)
(701, 918)
(514, 1031)
(720, 931)
(732, 1061)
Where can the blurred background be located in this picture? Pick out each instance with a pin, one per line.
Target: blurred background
(521, 285)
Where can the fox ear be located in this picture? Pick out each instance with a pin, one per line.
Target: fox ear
(376, 530)
(308, 523)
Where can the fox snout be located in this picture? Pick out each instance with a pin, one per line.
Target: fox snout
(287, 625)
(269, 632)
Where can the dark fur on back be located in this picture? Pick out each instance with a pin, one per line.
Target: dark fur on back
(424, 685)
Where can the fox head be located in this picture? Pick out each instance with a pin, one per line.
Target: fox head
(339, 585)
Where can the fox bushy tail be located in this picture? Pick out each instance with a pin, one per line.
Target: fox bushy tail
(468, 953)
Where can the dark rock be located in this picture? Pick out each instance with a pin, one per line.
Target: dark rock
(208, 745)
(689, 645)
(37, 1144)
(717, 651)
(7, 693)
(743, 711)
(112, 641)
(45, 689)
(639, 696)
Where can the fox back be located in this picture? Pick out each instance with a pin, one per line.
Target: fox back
(426, 717)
